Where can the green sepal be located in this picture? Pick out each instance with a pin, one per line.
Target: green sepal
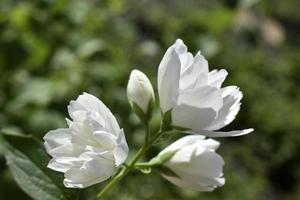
(167, 121)
(161, 159)
(180, 128)
(145, 170)
(166, 171)
(144, 117)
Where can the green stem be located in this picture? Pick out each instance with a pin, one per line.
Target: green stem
(148, 133)
(130, 166)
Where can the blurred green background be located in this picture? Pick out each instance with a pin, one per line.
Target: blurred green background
(52, 51)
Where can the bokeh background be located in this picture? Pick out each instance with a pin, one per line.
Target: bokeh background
(51, 51)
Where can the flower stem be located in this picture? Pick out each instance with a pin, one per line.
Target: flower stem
(124, 171)
(148, 133)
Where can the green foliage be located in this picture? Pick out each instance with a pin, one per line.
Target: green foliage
(27, 160)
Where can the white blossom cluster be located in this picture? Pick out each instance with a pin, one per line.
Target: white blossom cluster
(192, 100)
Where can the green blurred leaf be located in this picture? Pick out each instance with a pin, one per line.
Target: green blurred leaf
(28, 161)
(36, 91)
(90, 47)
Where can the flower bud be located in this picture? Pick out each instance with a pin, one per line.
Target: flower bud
(192, 163)
(140, 94)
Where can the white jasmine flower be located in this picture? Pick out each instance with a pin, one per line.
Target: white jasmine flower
(194, 95)
(91, 149)
(196, 164)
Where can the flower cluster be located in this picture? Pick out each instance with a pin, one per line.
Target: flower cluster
(192, 101)
(93, 146)
(194, 95)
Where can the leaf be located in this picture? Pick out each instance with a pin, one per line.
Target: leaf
(28, 161)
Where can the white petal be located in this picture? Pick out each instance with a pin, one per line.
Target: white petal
(121, 150)
(191, 117)
(89, 155)
(62, 164)
(203, 172)
(194, 75)
(94, 171)
(105, 139)
(209, 144)
(68, 150)
(82, 133)
(56, 138)
(217, 77)
(231, 107)
(96, 121)
(76, 111)
(185, 57)
(203, 97)
(201, 62)
(168, 79)
(182, 142)
(220, 133)
(180, 157)
(207, 163)
(57, 166)
(194, 183)
(89, 103)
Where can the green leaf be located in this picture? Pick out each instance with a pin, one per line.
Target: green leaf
(28, 161)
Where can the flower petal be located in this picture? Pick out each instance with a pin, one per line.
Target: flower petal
(209, 144)
(195, 75)
(221, 133)
(191, 117)
(217, 77)
(197, 183)
(56, 138)
(63, 164)
(94, 171)
(206, 163)
(105, 139)
(67, 150)
(121, 150)
(231, 106)
(89, 103)
(202, 97)
(168, 79)
(185, 57)
(182, 142)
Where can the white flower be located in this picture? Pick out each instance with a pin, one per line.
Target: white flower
(197, 166)
(140, 91)
(91, 149)
(194, 95)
